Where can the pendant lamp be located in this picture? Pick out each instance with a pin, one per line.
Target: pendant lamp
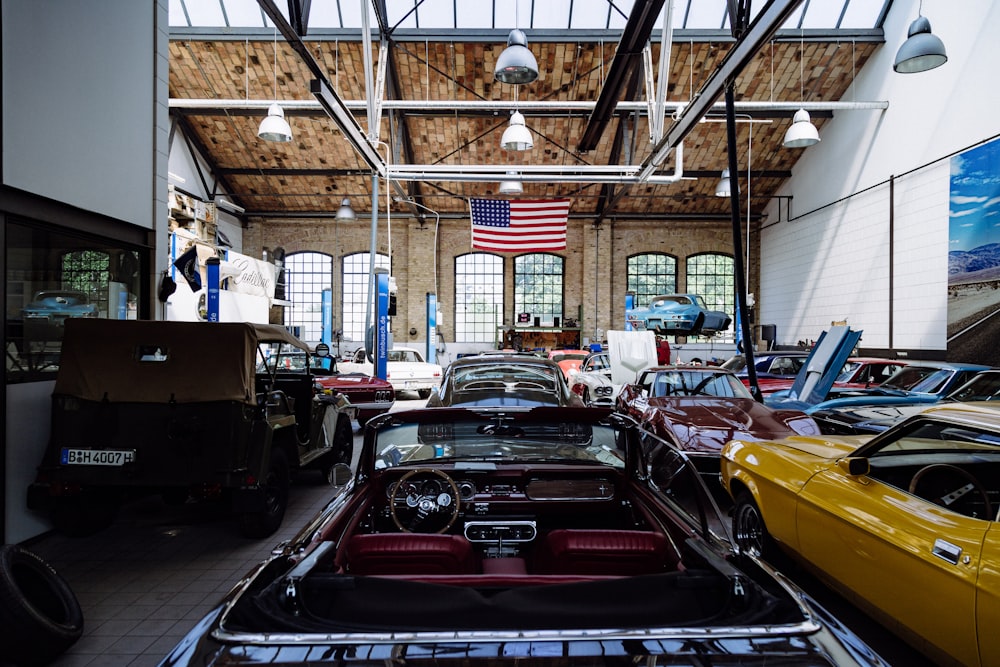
(723, 188)
(517, 64)
(517, 137)
(345, 212)
(511, 186)
(921, 51)
(802, 132)
(274, 127)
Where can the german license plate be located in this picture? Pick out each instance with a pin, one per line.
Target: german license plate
(97, 457)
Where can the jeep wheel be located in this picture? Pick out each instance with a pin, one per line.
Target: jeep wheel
(275, 489)
(424, 393)
(343, 449)
(82, 516)
(39, 615)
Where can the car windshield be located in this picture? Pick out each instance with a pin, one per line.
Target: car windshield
(498, 441)
(404, 355)
(848, 371)
(918, 378)
(982, 387)
(698, 383)
(505, 377)
(928, 436)
(735, 363)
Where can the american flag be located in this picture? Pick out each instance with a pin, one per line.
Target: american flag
(521, 225)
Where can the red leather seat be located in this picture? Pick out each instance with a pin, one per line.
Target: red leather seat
(605, 552)
(410, 553)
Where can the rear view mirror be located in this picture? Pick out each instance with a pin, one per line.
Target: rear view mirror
(339, 475)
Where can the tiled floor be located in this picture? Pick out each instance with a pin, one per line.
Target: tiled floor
(145, 581)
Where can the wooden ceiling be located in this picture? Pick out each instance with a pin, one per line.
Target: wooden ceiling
(219, 88)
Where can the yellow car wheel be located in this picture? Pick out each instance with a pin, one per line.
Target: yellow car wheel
(749, 531)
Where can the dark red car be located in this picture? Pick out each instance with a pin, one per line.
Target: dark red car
(371, 395)
(698, 409)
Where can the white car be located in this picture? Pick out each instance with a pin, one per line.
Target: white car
(592, 382)
(406, 370)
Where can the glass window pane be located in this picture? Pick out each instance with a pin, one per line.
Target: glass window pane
(307, 275)
(538, 287)
(478, 297)
(711, 276)
(354, 297)
(651, 274)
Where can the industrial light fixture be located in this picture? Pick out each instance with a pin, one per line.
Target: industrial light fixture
(802, 132)
(516, 64)
(227, 205)
(511, 186)
(517, 137)
(922, 50)
(274, 127)
(345, 212)
(723, 188)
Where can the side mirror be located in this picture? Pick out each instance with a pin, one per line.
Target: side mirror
(854, 465)
(339, 475)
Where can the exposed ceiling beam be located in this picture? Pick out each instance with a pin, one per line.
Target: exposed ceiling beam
(628, 54)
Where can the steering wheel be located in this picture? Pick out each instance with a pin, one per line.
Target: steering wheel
(424, 498)
(954, 488)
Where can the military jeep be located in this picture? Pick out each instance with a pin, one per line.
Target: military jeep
(188, 410)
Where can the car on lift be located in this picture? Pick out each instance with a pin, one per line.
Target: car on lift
(187, 410)
(678, 315)
(492, 537)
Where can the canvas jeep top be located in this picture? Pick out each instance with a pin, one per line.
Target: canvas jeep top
(184, 409)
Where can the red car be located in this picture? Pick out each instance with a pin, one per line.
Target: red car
(569, 360)
(698, 409)
(864, 372)
(371, 395)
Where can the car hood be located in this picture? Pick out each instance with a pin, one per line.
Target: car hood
(705, 425)
(822, 366)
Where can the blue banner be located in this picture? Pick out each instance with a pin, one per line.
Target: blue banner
(381, 325)
(431, 355)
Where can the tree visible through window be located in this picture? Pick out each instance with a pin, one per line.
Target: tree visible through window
(651, 274)
(538, 286)
(711, 275)
(478, 297)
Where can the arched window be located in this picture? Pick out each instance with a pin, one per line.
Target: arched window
(308, 278)
(711, 276)
(651, 274)
(478, 297)
(354, 296)
(538, 287)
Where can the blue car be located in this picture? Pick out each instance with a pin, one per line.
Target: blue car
(678, 314)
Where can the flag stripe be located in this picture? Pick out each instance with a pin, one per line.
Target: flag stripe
(519, 225)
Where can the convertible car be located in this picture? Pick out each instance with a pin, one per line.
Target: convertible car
(537, 538)
(406, 370)
(678, 314)
(699, 408)
(904, 523)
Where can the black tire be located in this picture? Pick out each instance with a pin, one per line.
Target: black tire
(362, 421)
(82, 516)
(40, 616)
(698, 324)
(424, 393)
(749, 531)
(275, 487)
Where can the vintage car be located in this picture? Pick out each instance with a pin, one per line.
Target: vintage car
(180, 409)
(872, 419)
(917, 383)
(865, 372)
(369, 395)
(776, 370)
(492, 537)
(569, 360)
(697, 409)
(593, 383)
(54, 306)
(406, 369)
(514, 381)
(904, 524)
(680, 315)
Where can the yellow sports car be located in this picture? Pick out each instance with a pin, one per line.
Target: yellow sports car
(903, 523)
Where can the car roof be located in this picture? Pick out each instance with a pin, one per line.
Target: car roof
(949, 365)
